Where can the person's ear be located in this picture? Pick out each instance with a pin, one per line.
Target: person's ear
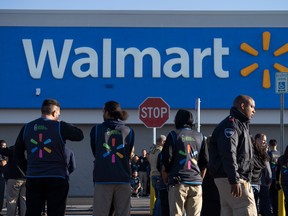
(242, 105)
(54, 113)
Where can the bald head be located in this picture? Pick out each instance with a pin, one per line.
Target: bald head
(241, 99)
(245, 104)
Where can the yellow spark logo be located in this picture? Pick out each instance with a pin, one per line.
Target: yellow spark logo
(266, 36)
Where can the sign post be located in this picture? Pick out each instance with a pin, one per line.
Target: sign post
(153, 112)
(281, 88)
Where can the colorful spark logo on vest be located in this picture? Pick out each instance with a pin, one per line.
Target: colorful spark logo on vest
(112, 150)
(40, 140)
(266, 81)
(189, 152)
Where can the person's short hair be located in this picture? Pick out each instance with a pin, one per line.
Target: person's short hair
(241, 99)
(48, 106)
(273, 142)
(183, 118)
(115, 111)
(160, 138)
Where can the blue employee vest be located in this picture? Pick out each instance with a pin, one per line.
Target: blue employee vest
(186, 149)
(45, 149)
(112, 155)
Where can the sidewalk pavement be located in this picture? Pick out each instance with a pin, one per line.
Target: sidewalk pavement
(82, 206)
(139, 206)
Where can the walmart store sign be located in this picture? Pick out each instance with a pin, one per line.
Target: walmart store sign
(85, 67)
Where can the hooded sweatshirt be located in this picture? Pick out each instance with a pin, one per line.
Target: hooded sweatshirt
(111, 144)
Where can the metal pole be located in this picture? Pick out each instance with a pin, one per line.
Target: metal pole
(152, 192)
(154, 135)
(282, 121)
(198, 114)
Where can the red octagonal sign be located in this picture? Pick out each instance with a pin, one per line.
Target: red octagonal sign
(154, 112)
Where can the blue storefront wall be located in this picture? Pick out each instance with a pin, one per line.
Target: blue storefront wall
(83, 67)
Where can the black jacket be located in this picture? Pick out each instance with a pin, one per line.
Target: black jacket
(259, 166)
(231, 150)
(12, 171)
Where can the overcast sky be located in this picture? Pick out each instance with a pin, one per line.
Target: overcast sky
(146, 4)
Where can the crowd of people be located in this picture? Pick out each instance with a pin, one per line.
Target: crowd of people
(229, 172)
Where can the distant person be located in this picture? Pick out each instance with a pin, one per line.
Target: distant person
(143, 171)
(282, 169)
(185, 159)
(15, 184)
(3, 163)
(135, 163)
(43, 140)
(274, 154)
(155, 174)
(261, 167)
(112, 144)
(136, 186)
(230, 159)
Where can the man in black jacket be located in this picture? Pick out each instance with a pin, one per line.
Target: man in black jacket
(230, 159)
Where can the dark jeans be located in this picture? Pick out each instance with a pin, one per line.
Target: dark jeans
(274, 197)
(264, 201)
(164, 202)
(52, 190)
(157, 204)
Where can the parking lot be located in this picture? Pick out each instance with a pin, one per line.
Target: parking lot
(83, 206)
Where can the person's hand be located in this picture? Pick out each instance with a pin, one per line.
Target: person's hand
(3, 163)
(278, 186)
(236, 190)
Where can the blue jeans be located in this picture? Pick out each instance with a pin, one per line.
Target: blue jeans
(265, 204)
(256, 191)
(157, 204)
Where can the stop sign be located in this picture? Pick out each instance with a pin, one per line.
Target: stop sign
(154, 112)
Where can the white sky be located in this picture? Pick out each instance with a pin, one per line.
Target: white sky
(246, 5)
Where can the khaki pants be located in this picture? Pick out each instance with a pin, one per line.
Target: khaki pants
(144, 181)
(232, 206)
(106, 194)
(185, 197)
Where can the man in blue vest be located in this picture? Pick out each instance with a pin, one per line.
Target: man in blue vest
(184, 158)
(44, 141)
